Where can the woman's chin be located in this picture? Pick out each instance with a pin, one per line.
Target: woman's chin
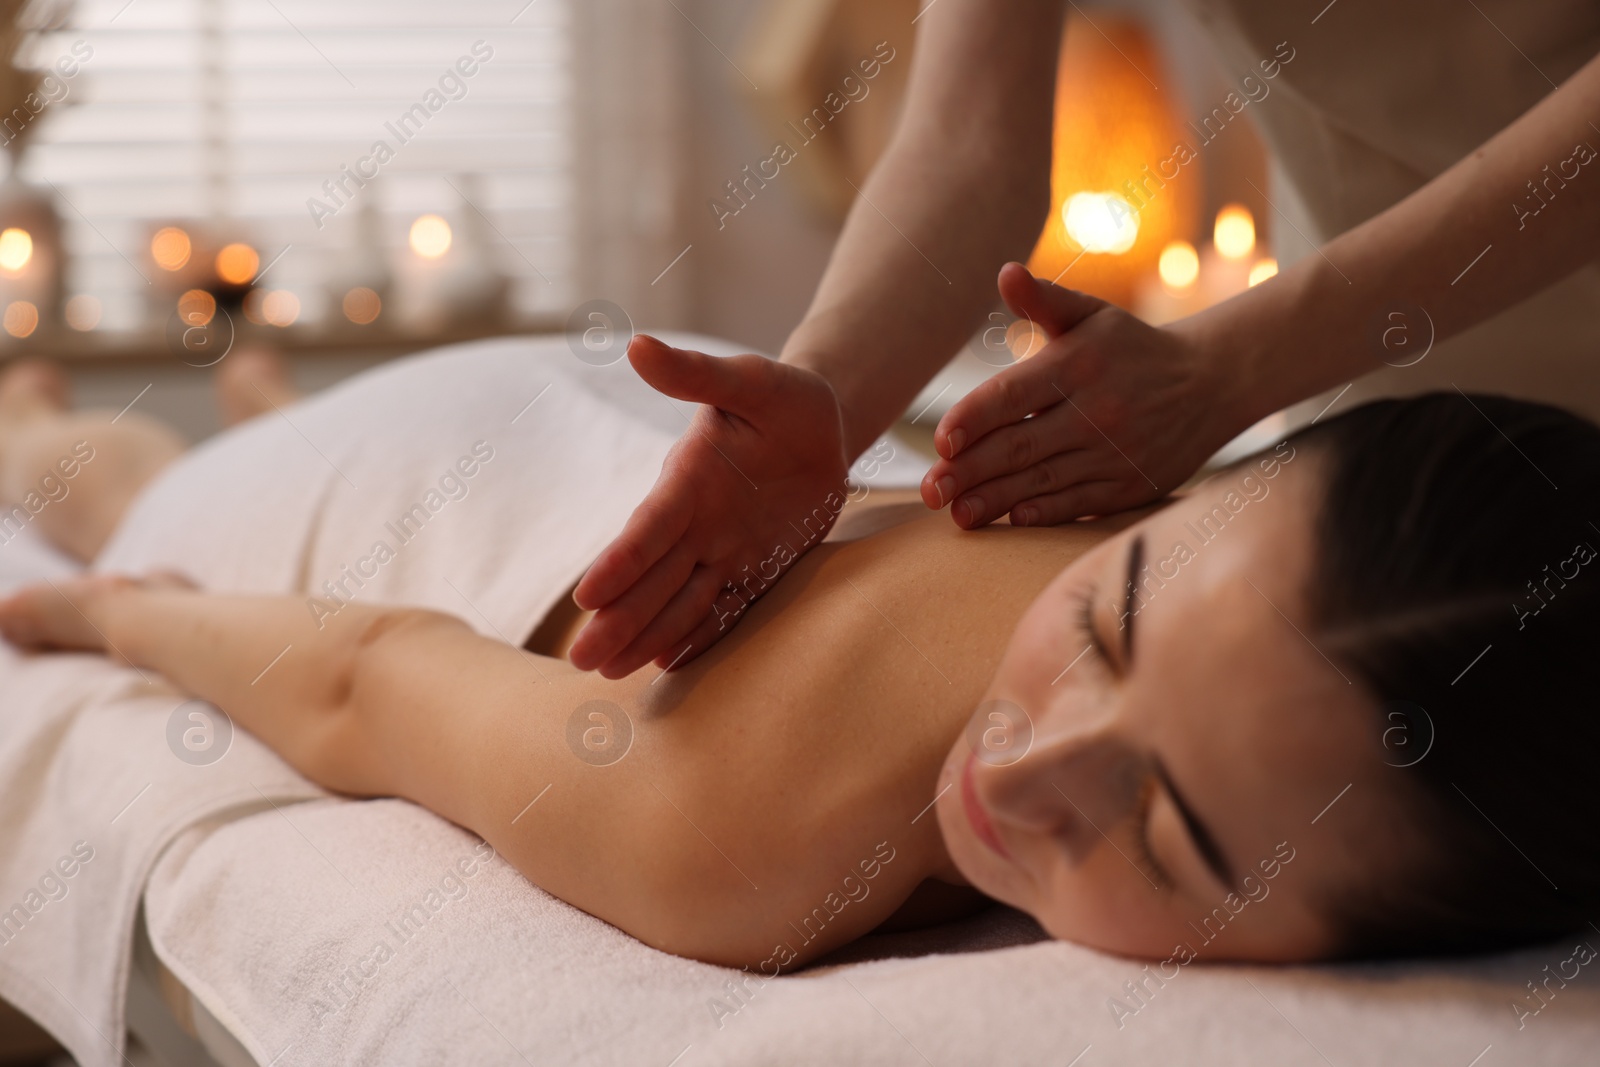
(977, 863)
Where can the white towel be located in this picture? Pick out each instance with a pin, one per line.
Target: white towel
(461, 461)
(454, 480)
(90, 794)
(349, 932)
(275, 923)
(274, 918)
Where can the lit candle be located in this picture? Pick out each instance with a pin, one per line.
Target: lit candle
(1175, 291)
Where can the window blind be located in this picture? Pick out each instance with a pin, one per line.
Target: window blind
(263, 114)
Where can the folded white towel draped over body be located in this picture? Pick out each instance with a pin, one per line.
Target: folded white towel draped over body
(480, 480)
(477, 480)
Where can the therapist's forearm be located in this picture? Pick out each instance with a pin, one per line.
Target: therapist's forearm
(885, 319)
(963, 187)
(1458, 248)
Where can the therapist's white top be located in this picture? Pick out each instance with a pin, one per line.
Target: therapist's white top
(1382, 96)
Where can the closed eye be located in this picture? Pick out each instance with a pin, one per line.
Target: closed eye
(1084, 610)
(1143, 853)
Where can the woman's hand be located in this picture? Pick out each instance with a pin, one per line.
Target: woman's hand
(60, 616)
(764, 454)
(1110, 414)
(54, 616)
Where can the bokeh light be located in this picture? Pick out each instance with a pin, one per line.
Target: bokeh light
(237, 263)
(22, 318)
(170, 248)
(1235, 232)
(196, 307)
(1179, 265)
(1101, 222)
(252, 306)
(83, 312)
(280, 307)
(1263, 270)
(430, 237)
(362, 306)
(1025, 337)
(16, 248)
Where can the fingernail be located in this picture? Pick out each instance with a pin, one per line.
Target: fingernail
(946, 488)
(1024, 516)
(974, 509)
(957, 440)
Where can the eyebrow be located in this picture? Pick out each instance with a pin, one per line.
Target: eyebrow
(1135, 561)
(1215, 861)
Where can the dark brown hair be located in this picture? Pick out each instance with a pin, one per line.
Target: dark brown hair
(1457, 574)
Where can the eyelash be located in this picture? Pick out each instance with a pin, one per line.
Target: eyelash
(1141, 838)
(1083, 611)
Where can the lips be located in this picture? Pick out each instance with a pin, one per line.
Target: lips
(982, 827)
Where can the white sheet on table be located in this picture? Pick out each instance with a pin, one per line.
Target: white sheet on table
(259, 915)
(84, 767)
(281, 505)
(264, 917)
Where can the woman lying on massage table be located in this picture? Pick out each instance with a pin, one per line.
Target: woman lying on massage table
(1336, 700)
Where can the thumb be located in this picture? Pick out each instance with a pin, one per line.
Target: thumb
(1055, 309)
(732, 383)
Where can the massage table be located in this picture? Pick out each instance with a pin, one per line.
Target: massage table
(239, 915)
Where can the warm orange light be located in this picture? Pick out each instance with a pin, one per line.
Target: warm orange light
(1101, 222)
(1119, 187)
(196, 307)
(16, 248)
(83, 312)
(1263, 270)
(170, 248)
(280, 307)
(362, 306)
(430, 237)
(237, 264)
(1235, 232)
(22, 318)
(1025, 337)
(252, 306)
(1179, 265)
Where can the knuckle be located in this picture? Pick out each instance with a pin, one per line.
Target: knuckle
(750, 372)
(629, 557)
(655, 515)
(1010, 396)
(1020, 448)
(1041, 479)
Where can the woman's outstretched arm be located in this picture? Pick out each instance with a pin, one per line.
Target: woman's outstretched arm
(272, 664)
(670, 843)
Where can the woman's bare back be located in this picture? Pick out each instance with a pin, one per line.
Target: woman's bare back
(805, 746)
(770, 802)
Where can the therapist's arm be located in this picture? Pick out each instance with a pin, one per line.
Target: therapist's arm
(963, 187)
(1314, 329)
(1149, 405)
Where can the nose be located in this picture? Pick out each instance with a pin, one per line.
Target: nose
(1074, 787)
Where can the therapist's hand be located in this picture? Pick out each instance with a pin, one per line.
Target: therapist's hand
(1121, 414)
(764, 452)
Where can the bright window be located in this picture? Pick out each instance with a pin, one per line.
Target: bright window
(260, 114)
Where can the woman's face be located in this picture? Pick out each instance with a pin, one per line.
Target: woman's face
(1165, 765)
